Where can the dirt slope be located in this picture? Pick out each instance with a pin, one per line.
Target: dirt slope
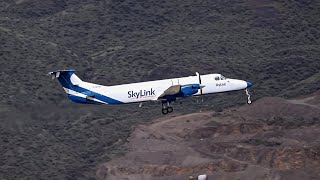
(274, 138)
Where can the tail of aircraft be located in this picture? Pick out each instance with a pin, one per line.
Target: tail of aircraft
(74, 87)
(67, 78)
(79, 91)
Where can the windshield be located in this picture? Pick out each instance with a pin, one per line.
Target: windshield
(219, 77)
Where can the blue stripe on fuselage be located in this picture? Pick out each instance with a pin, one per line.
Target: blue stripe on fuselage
(97, 95)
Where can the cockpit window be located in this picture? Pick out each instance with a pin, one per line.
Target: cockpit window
(217, 78)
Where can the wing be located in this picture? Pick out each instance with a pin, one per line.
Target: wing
(180, 91)
(171, 91)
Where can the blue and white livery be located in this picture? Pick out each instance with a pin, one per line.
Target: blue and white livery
(165, 91)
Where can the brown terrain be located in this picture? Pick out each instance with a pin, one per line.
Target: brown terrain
(273, 138)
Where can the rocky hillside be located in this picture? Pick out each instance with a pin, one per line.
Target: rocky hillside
(271, 139)
(273, 43)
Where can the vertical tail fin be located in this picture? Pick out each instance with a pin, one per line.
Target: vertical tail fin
(67, 79)
(73, 86)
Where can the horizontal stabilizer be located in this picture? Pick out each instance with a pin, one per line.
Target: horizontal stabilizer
(67, 78)
(56, 74)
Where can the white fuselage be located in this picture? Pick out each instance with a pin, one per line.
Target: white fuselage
(151, 90)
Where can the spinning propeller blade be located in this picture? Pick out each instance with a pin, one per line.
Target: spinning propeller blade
(201, 86)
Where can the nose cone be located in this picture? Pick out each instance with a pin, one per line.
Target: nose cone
(249, 84)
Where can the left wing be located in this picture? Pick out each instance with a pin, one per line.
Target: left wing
(171, 91)
(180, 91)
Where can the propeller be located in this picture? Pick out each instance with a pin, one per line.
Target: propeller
(201, 86)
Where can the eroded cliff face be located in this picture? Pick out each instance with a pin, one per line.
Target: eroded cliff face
(274, 138)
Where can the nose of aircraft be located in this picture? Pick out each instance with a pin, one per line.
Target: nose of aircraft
(249, 84)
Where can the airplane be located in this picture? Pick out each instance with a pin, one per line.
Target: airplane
(164, 91)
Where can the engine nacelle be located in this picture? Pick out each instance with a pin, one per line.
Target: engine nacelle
(190, 89)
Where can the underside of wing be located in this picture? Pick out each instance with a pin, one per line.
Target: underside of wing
(171, 91)
(180, 91)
